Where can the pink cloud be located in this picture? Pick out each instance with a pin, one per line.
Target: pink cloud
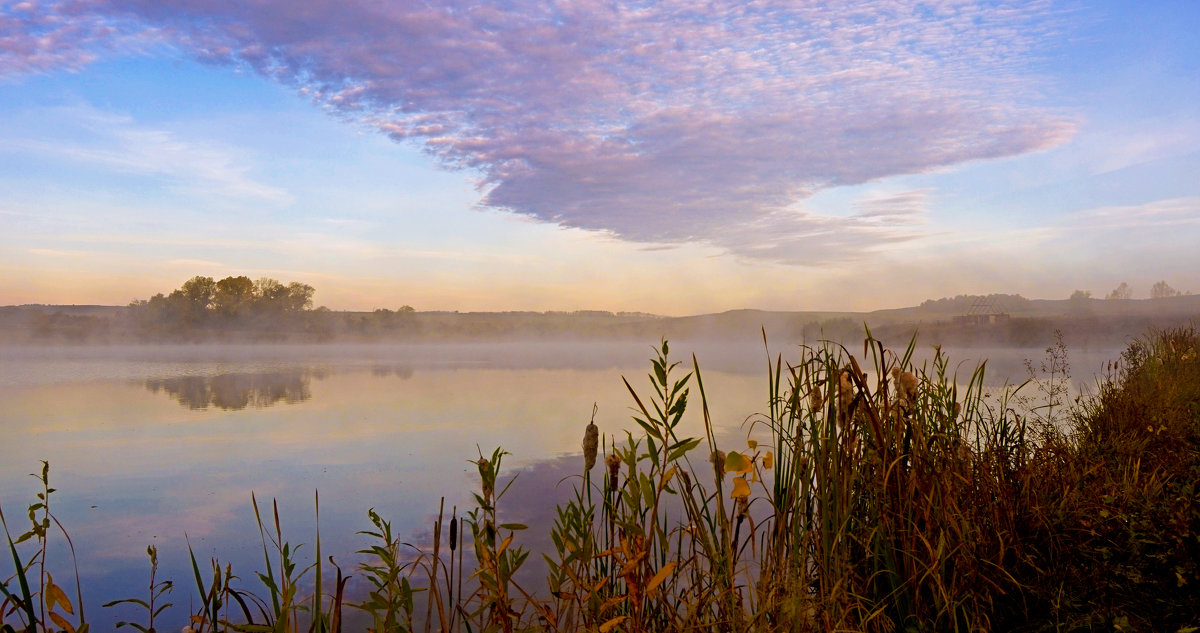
(661, 122)
(40, 36)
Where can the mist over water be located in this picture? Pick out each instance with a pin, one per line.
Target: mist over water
(148, 444)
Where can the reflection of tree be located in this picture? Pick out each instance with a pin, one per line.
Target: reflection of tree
(403, 372)
(236, 391)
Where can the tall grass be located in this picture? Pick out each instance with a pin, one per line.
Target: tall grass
(871, 494)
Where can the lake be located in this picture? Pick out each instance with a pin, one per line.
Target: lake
(163, 445)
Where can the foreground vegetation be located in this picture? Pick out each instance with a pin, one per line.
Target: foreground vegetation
(871, 495)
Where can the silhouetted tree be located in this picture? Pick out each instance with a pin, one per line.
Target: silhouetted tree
(267, 306)
(1121, 293)
(1161, 290)
(234, 296)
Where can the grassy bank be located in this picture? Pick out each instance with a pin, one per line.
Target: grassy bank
(870, 494)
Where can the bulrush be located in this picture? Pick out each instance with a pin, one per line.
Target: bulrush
(814, 399)
(906, 387)
(718, 461)
(591, 441)
(845, 393)
(614, 470)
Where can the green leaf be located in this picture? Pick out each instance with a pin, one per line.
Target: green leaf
(682, 448)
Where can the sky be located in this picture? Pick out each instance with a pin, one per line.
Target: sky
(671, 157)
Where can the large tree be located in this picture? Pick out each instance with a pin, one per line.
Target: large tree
(1161, 290)
(235, 297)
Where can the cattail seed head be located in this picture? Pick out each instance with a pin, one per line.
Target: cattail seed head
(718, 461)
(614, 470)
(453, 533)
(845, 391)
(906, 385)
(591, 440)
(815, 400)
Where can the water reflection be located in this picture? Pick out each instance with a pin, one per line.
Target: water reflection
(403, 372)
(136, 468)
(236, 391)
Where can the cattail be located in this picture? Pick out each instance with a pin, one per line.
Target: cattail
(743, 507)
(845, 391)
(906, 385)
(718, 461)
(614, 470)
(591, 440)
(814, 399)
(454, 533)
(686, 479)
(957, 411)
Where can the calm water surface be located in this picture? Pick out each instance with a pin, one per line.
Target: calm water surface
(164, 445)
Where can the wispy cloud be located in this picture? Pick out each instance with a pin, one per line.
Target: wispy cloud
(115, 142)
(659, 122)
(58, 252)
(1171, 212)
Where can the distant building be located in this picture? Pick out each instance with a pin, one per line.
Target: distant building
(984, 311)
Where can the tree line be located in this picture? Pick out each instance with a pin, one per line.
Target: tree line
(233, 303)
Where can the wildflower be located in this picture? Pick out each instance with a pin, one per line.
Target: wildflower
(591, 440)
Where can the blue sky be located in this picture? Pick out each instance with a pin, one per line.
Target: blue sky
(669, 157)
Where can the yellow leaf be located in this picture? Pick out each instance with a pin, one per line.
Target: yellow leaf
(666, 478)
(55, 595)
(768, 460)
(753, 444)
(608, 626)
(62, 622)
(596, 587)
(660, 577)
(735, 462)
(504, 545)
(740, 488)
